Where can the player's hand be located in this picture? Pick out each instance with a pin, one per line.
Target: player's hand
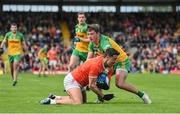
(100, 99)
(1, 51)
(76, 39)
(108, 97)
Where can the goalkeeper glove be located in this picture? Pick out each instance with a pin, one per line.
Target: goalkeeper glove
(108, 97)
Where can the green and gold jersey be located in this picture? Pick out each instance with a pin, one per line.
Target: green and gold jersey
(42, 53)
(81, 31)
(14, 43)
(105, 43)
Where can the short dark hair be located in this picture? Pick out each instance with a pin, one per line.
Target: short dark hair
(81, 13)
(111, 52)
(13, 24)
(94, 27)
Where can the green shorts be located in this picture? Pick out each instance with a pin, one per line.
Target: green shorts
(81, 55)
(44, 60)
(125, 65)
(14, 58)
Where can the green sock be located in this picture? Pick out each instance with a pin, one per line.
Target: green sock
(140, 94)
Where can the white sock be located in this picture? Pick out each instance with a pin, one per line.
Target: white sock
(53, 101)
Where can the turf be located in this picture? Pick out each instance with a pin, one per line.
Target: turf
(164, 91)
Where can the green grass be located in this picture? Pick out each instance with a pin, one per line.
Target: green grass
(164, 91)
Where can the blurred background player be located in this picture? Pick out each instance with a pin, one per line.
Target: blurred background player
(98, 45)
(52, 56)
(42, 54)
(16, 43)
(81, 42)
(83, 75)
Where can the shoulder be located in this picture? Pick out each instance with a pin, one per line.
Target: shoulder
(86, 25)
(104, 36)
(8, 33)
(19, 33)
(76, 26)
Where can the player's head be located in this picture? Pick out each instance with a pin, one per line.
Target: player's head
(13, 27)
(94, 32)
(81, 18)
(110, 57)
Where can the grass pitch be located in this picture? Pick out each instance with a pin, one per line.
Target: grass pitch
(164, 90)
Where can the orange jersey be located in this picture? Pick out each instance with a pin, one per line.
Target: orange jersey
(52, 54)
(92, 67)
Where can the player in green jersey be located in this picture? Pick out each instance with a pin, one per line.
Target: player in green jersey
(98, 45)
(16, 43)
(80, 52)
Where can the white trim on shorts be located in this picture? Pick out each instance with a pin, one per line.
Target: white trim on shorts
(122, 70)
(69, 82)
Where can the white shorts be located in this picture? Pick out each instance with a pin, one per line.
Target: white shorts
(69, 82)
(52, 62)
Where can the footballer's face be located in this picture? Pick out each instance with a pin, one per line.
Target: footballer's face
(13, 28)
(110, 61)
(93, 36)
(81, 19)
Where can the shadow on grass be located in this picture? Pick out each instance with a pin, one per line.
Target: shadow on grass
(123, 102)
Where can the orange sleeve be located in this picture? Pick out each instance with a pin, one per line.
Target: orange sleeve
(94, 71)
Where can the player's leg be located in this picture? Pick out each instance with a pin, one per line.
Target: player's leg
(74, 60)
(75, 97)
(11, 60)
(74, 91)
(54, 67)
(17, 58)
(40, 68)
(120, 80)
(44, 68)
(51, 67)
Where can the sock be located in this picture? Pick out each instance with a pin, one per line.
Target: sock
(140, 94)
(53, 101)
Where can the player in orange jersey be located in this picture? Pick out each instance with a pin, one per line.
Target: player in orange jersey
(85, 75)
(52, 55)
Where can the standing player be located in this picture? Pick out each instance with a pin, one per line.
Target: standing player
(52, 55)
(16, 43)
(42, 54)
(83, 75)
(98, 45)
(80, 52)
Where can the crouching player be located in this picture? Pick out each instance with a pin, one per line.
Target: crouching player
(83, 75)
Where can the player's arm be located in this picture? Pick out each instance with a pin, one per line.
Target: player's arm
(90, 51)
(84, 39)
(90, 55)
(25, 46)
(3, 42)
(40, 51)
(93, 87)
(78, 39)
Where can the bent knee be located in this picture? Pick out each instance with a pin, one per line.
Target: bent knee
(120, 84)
(77, 102)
